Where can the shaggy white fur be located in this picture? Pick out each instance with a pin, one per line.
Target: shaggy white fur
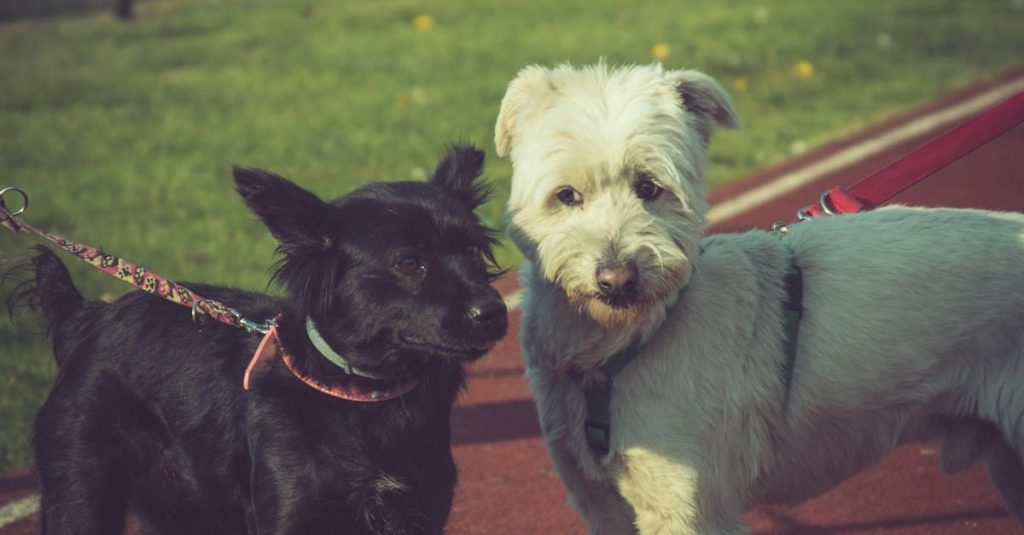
(913, 320)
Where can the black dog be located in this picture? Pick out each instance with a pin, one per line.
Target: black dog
(148, 414)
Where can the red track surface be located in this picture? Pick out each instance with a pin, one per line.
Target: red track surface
(508, 485)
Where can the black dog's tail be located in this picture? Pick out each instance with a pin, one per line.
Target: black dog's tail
(45, 286)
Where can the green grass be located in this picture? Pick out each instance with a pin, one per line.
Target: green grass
(124, 133)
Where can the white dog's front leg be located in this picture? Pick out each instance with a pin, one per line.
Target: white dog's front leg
(666, 499)
(599, 503)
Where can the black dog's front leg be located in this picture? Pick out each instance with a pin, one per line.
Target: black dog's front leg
(437, 475)
(293, 498)
(384, 508)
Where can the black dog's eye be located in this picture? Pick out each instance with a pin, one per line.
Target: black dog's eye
(569, 196)
(647, 190)
(409, 264)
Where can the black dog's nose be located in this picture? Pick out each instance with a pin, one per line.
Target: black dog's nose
(617, 280)
(486, 311)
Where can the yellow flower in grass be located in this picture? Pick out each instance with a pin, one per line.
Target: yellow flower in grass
(741, 84)
(660, 51)
(423, 23)
(803, 69)
(405, 99)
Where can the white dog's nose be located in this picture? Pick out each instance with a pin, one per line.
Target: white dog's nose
(617, 280)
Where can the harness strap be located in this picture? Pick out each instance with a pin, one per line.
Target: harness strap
(792, 311)
(597, 425)
(598, 395)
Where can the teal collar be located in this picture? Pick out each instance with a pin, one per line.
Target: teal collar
(597, 389)
(330, 354)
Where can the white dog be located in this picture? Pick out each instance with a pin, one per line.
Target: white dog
(912, 326)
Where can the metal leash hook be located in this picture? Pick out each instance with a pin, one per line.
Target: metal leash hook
(804, 214)
(7, 217)
(824, 200)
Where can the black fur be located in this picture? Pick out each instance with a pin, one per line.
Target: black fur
(148, 415)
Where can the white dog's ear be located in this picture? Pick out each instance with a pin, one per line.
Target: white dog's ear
(703, 96)
(525, 87)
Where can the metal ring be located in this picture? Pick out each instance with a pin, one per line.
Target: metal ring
(195, 318)
(782, 229)
(823, 201)
(24, 199)
(803, 215)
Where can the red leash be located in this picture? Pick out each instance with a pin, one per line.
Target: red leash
(922, 162)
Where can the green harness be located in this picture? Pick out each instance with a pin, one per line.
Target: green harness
(598, 390)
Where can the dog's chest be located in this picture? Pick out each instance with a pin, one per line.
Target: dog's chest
(553, 335)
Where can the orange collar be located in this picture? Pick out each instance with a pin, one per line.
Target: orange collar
(271, 348)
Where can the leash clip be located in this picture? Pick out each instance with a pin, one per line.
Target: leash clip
(7, 217)
(824, 201)
(253, 327)
(804, 214)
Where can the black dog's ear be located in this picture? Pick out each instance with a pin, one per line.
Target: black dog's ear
(293, 215)
(457, 174)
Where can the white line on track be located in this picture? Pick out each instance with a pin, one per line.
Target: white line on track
(805, 175)
(18, 510)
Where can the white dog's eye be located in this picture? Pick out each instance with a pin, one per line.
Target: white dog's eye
(647, 190)
(569, 196)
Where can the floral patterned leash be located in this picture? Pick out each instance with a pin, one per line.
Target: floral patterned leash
(270, 349)
(133, 274)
